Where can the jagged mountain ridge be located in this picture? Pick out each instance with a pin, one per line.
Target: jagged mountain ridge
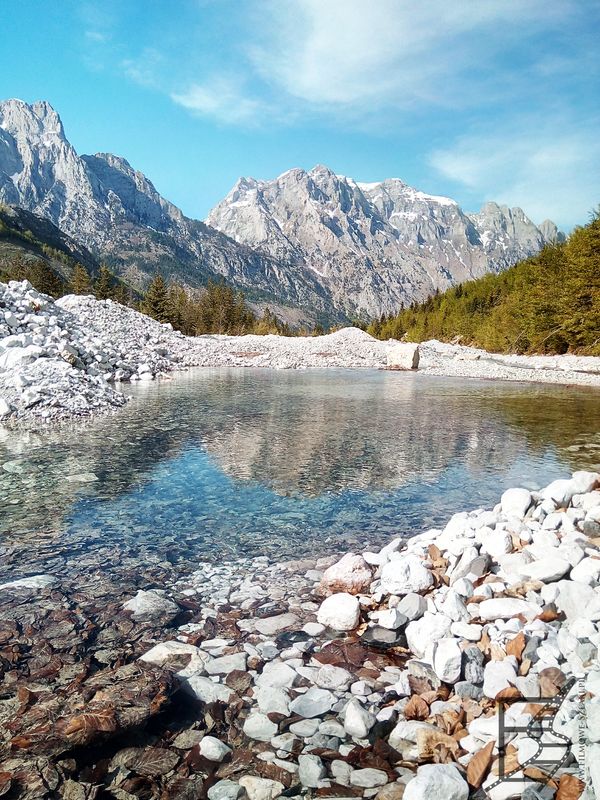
(117, 213)
(314, 240)
(375, 245)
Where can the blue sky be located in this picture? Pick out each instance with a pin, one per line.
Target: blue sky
(476, 99)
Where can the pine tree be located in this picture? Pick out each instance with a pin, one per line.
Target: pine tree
(155, 302)
(121, 294)
(80, 281)
(104, 284)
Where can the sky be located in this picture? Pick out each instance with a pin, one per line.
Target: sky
(475, 99)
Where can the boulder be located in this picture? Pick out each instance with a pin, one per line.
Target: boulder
(437, 781)
(350, 574)
(405, 574)
(516, 502)
(403, 355)
(339, 611)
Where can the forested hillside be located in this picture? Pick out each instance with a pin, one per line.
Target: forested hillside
(547, 304)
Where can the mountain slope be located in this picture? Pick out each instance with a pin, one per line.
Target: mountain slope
(26, 238)
(375, 246)
(117, 213)
(316, 241)
(549, 303)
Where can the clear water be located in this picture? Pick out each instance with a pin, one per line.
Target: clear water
(220, 463)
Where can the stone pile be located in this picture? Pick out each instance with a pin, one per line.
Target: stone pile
(380, 674)
(57, 357)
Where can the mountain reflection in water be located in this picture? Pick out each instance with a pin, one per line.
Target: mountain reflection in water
(235, 462)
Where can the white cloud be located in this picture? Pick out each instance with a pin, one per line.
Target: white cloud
(549, 169)
(223, 99)
(386, 52)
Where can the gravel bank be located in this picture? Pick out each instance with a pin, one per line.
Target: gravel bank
(375, 675)
(64, 359)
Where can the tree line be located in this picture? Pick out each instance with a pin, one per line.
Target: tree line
(549, 303)
(217, 309)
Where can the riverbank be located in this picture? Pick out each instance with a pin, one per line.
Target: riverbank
(66, 359)
(377, 674)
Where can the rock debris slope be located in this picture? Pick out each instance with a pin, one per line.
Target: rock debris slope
(375, 245)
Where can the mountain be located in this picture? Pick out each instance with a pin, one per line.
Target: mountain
(374, 246)
(313, 241)
(116, 212)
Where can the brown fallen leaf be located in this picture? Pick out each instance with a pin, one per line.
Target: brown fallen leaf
(540, 776)
(551, 681)
(82, 728)
(569, 787)
(479, 766)
(516, 646)
(150, 761)
(510, 693)
(549, 614)
(428, 739)
(416, 708)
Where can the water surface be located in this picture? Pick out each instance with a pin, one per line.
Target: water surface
(229, 462)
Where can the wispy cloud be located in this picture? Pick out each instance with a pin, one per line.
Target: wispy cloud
(222, 98)
(364, 56)
(552, 168)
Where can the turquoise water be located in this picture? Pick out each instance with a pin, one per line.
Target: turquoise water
(228, 462)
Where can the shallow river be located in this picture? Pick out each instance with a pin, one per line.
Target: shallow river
(220, 463)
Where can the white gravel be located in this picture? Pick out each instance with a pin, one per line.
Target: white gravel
(61, 359)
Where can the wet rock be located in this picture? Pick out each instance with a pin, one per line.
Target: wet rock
(206, 690)
(272, 625)
(34, 583)
(151, 605)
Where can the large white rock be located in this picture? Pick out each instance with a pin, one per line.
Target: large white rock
(277, 674)
(434, 781)
(331, 677)
(587, 571)
(405, 574)
(272, 700)
(339, 611)
(550, 568)
(447, 660)
(311, 770)
(34, 582)
(206, 690)
(350, 574)
(507, 607)
(424, 631)
(226, 664)
(258, 726)
(313, 703)
(357, 720)
(213, 749)
(261, 788)
(515, 502)
(578, 600)
(403, 355)
(499, 675)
